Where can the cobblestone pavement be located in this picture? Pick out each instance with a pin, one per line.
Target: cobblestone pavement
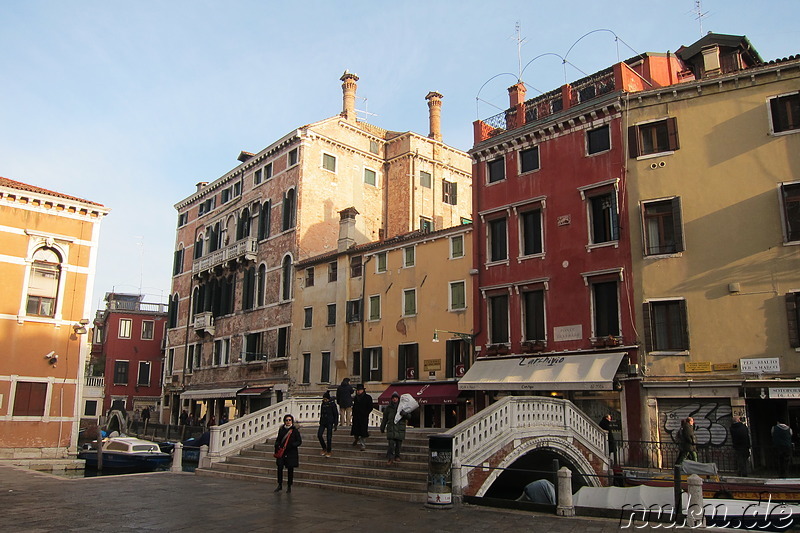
(33, 502)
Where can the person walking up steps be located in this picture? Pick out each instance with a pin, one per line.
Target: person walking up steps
(328, 421)
(344, 397)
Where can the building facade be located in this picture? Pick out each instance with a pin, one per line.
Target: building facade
(239, 238)
(47, 269)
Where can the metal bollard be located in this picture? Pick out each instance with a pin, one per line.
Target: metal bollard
(177, 458)
(564, 506)
(694, 513)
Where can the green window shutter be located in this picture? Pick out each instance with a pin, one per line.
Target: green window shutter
(633, 141)
(647, 329)
(684, 324)
(677, 224)
(672, 133)
(791, 320)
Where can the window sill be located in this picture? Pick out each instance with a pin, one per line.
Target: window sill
(525, 173)
(665, 255)
(459, 310)
(453, 258)
(503, 262)
(791, 243)
(522, 258)
(654, 155)
(670, 352)
(782, 133)
(609, 244)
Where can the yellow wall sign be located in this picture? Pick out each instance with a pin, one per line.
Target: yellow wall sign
(725, 366)
(429, 365)
(699, 366)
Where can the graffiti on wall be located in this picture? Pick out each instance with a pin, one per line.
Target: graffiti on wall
(712, 420)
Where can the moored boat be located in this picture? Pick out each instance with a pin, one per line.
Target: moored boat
(127, 453)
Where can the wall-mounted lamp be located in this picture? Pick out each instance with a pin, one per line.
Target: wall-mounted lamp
(52, 358)
(468, 337)
(80, 328)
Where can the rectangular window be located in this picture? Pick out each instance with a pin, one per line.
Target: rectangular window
(533, 315)
(408, 361)
(356, 363)
(264, 221)
(292, 157)
(237, 189)
(43, 285)
(425, 179)
(356, 267)
(254, 347)
(456, 358)
(170, 360)
(605, 302)
(372, 364)
(529, 160)
(29, 398)
(333, 271)
(125, 326)
(310, 277)
(425, 225)
(329, 162)
(90, 407)
(793, 318)
(662, 227)
(283, 342)
(498, 319)
(308, 316)
(531, 231)
(409, 256)
(409, 302)
(790, 195)
(306, 368)
(456, 246)
(498, 245)
(143, 378)
(331, 314)
(497, 170)
(449, 192)
(370, 177)
(373, 147)
(148, 329)
(120, 372)
(354, 312)
(325, 371)
(375, 307)
(458, 296)
(603, 218)
(222, 348)
(183, 219)
(784, 113)
(665, 326)
(268, 171)
(225, 195)
(380, 262)
(653, 137)
(598, 140)
(257, 176)
(177, 263)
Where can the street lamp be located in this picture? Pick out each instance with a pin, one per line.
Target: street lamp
(469, 338)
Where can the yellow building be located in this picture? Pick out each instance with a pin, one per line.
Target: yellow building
(49, 242)
(714, 212)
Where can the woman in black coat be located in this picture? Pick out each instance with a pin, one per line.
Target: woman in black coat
(288, 437)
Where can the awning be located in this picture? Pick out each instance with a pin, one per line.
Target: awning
(554, 372)
(254, 391)
(204, 394)
(424, 393)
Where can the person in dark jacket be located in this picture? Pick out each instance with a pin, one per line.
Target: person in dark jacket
(289, 438)
(782, 442)
(740, 439)
(607, 425)
(344, 397)
(687, 441)
(362, 407)
(328, 421)
(395, 431)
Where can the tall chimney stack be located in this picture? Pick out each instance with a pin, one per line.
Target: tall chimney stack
(516, 94)
(347, 228)
(349, 86)
(435, 115)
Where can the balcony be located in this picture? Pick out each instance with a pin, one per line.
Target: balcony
(245, 249)
(95, 381)
(204, 323)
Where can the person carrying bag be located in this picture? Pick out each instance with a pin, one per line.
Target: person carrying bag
(286, 452)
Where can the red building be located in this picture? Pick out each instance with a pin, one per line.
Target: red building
(552, 253)
(128, 342)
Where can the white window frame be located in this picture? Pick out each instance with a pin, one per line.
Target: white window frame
(378, 256)
(586, 140)
(452, 248)
(450, 307)
(406, 262)
(152, 330)
(374, 297)
(377, 183)
(409, 293)
(322, 162)
(139, 373)
(125, 333)
(769, 114)
(519, 160)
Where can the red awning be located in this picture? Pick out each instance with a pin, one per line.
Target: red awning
(254, 391)
(424, 393)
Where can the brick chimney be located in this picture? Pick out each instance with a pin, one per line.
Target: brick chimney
(435, 115)
(516, 94)
(349, 86)
(347, 228)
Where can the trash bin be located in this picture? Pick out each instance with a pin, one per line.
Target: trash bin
(440, 471)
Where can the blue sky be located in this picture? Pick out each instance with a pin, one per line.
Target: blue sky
(130, 105)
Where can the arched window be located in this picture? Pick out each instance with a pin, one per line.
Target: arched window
(43, 282)
(172, 314)
(264, 220)
(198, 247)
(286, 281)
(289, 205)
(243, 228)
(248, 288)
(261, 285)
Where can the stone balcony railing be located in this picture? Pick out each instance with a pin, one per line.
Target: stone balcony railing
(246, 248)
(204, 322)
(95, 381)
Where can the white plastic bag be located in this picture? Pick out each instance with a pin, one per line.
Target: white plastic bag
(406, 405)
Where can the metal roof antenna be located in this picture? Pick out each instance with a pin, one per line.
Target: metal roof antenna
(520, 42)
(698, 11)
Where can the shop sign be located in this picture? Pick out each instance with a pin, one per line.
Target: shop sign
(568, 333)
(430, 365)
(698, 366)
(784, 393)
(764, 365)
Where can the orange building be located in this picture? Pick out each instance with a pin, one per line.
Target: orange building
(47, 265)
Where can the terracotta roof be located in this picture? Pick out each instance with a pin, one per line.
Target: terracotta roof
(5, 182)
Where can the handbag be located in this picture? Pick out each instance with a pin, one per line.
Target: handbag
(282, 449)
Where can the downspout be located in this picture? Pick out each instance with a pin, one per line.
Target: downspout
(411, 189)
(363, 310)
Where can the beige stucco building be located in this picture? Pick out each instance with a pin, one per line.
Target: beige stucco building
(232, 324)
(713, 204)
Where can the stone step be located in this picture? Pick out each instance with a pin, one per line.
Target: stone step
(368, 468)
(372, 451)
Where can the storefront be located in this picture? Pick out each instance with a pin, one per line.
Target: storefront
(440, 404)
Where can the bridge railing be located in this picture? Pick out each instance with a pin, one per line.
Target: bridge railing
(231, 437)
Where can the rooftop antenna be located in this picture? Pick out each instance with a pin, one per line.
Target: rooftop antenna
(364, 111)
(698, 10)
(140, 244)
(520, 42)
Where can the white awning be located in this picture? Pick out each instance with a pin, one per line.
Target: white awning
(553, 372)
(203, 394)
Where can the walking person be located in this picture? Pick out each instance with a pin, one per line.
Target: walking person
(344, 397)
(687, 441)
(395, 431)
(606, 424)
(740, 439)
(286, 453)
(362, 407)
(782, 442)
(328, 421)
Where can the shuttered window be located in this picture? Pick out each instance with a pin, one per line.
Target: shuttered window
(665, 326)
(663, 233)
(653, 137)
